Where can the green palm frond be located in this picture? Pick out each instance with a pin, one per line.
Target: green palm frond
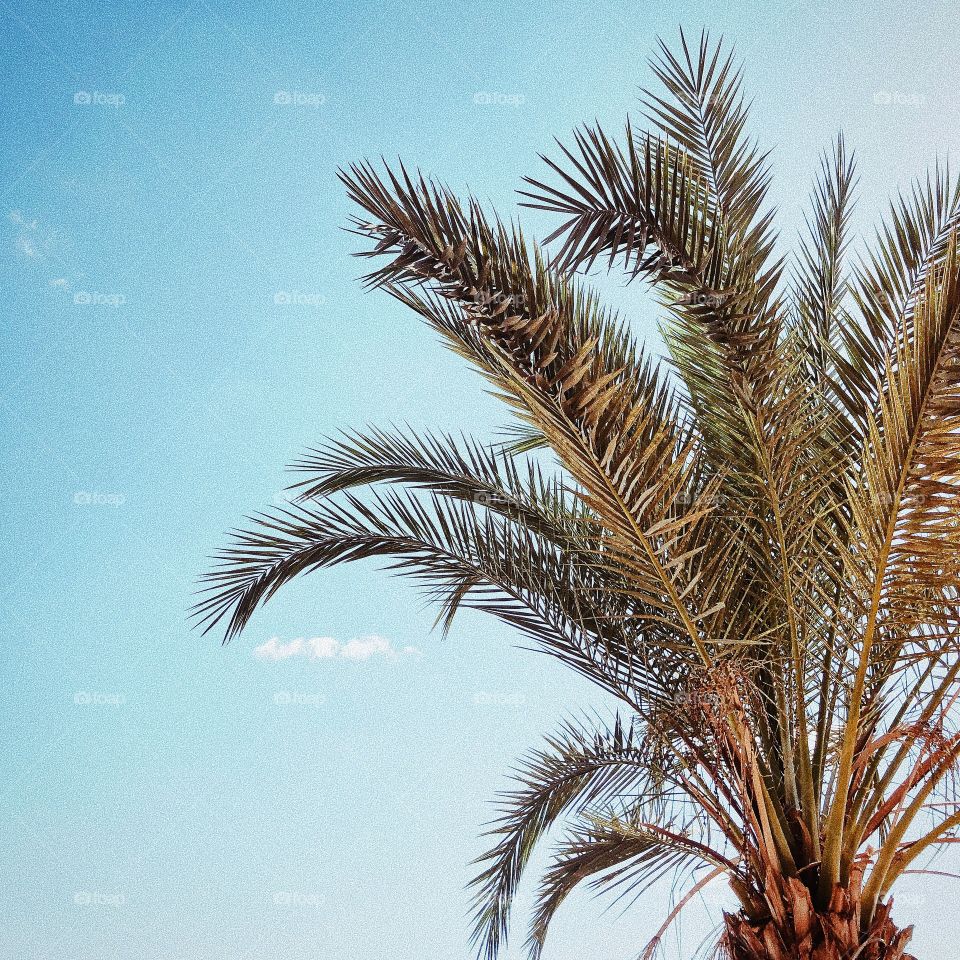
(821, 282)
(886, 285)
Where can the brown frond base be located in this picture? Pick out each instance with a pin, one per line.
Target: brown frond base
(794, 931)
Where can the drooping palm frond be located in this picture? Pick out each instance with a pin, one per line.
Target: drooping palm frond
(461, 556)
(463, 470)
(578, 769)
(603, 857)
(756, 553)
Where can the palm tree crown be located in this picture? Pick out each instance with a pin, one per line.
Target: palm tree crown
(755, 552)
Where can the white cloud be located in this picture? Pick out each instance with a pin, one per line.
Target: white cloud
(31, 241)
(327, 648)
(322, 648)
(275, 649)
(363, 648)
(27, 246)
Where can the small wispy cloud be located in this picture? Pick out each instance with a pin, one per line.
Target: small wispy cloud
(328, 648)
(27, 246)
(32, 240)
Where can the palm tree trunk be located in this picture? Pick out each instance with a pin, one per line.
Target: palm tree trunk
(793, 930)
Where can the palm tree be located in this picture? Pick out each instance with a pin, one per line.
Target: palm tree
(754, 553)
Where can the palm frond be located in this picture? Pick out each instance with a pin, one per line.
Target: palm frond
(821, 284)
(908, 501)
(567, 367)
(605, 857)
(645, 204)
(704, 111)
(464, 555)
(461, 469)
(579, 768)
(888, 282)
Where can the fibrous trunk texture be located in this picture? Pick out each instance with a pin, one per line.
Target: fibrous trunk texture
(794, 930)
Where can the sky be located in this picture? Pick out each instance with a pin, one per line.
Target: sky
(181, 320)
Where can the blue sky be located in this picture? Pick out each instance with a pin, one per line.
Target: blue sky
(181, 320)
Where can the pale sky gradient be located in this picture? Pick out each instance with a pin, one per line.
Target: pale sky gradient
(181, 320)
